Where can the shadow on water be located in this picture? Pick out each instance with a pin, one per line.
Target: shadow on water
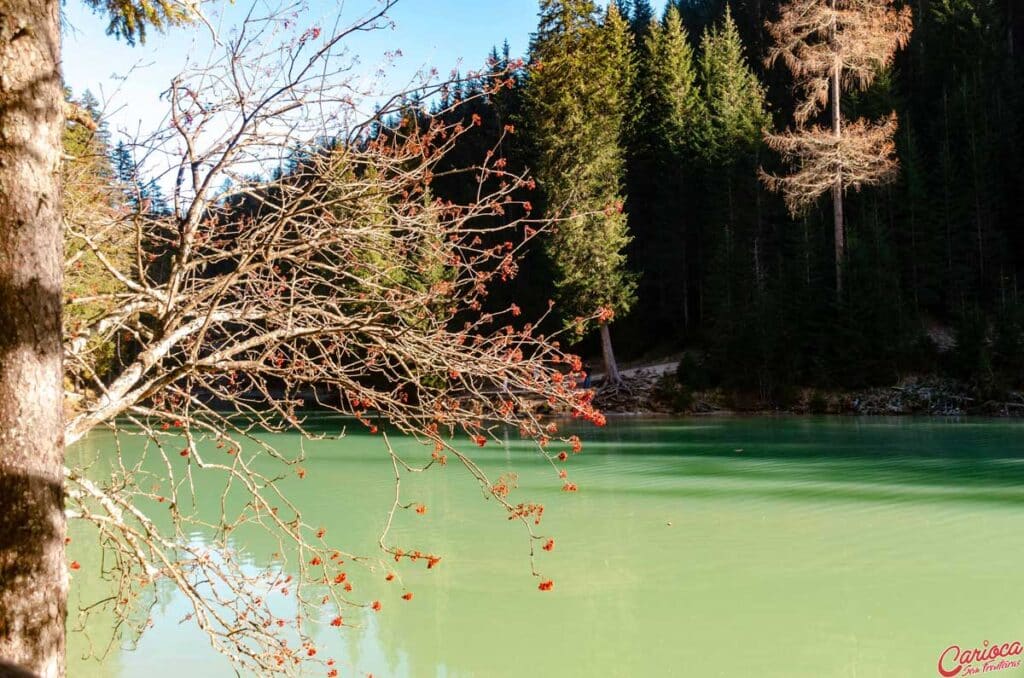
(844, 457)
(878, 459)
(870, 459)
(964, 454)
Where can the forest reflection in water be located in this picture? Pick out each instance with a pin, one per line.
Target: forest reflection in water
(766, 546)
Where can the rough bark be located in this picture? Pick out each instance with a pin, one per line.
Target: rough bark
(612, 377)
(33, 576)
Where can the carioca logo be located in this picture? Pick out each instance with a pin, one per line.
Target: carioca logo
(953, 659)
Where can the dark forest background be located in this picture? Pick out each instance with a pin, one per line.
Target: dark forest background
(934, 268)
(935, 260)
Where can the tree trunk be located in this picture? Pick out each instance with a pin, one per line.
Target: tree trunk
(807, 253)
(33, 575)
(685, 274)
(758, 235)
(729, 243)
(837, 187)
(611, 368)
(1014, 27)
(947, 183)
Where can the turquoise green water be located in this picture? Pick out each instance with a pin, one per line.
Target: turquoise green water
(702, 547)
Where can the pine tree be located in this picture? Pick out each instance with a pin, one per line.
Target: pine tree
(130, 18)
(831, 46)
(698, 15)
(735, 118)
(974, 116)
(640, 17)
(670, 88)
(91, 105)
(734, 98)
(578, 96)
(90, 202)
(661, 147)
(146, 196)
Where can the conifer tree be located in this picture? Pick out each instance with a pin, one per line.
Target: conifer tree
(698, 14)
(670, 91)
(731, 137)
(140, 195)
(578, 95)
(640, 18)
(91, 198)
(663, 142)
(736, 117)
(130, 18)
(832, 46)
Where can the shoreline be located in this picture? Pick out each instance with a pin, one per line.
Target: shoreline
(659, 393)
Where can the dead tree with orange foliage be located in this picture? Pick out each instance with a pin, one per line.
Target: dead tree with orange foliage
(832, 46)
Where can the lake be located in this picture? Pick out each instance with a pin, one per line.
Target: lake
(787, 546)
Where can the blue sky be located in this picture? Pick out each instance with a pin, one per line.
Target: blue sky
(430, 33)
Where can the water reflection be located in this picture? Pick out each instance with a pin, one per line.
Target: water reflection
(772, 547)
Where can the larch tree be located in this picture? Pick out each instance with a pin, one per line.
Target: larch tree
(579, 99)
(832, 46)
